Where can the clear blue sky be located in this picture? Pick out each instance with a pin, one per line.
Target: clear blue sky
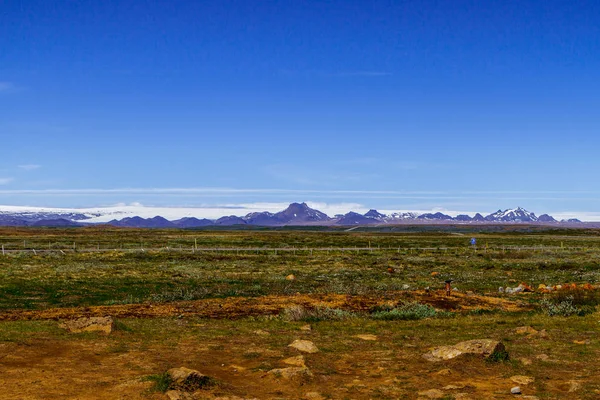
(464, 105)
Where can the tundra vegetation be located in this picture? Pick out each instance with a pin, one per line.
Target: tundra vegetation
(229, 302)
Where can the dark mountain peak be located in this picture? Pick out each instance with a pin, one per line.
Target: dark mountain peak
(478, 217)
(374, 214)
(354, 218)
(437, 216)
(230, 220)
(546, 218)
(299, 213)
(463, 218)
(192, 222)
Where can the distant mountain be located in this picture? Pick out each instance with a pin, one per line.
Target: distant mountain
(374, 214)
(230, 220)
(55, 223)
(546, 218)
(191, 222)
(300, 213)
(138, 222)
(295, 214)
(353, 218)
(513, 215)
(438, 216)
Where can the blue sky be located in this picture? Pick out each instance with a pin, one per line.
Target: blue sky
(458, 105)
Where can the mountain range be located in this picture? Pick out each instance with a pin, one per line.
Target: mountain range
(296, 214)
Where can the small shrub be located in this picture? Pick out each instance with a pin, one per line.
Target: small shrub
(300, 313)
(162, 382)
(406, 311)
(564, 308)
(498, 356)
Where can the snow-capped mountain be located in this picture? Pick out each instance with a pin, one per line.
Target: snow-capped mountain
(512, 215)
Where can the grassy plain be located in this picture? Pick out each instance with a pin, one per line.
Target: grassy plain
(216, 301)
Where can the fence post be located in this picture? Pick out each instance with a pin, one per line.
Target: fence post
(2, 249)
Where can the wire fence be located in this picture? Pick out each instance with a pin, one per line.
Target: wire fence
(54, 248)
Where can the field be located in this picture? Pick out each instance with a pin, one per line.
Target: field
(228, 304)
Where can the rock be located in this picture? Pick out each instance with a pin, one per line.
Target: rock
(366, 337)
(525, 361)
(454, 387)
(187, 379)
(313, 396)
(574, 386)
(290, 277)
(515, 390)
(435, 273)
(305, 346)
(522, 379)
(432, 394)
(405, 287)
(306, 328)
(482, 347)
(290, 372)
(525, 330)
(261, 332)
(89, 324)
(542, 357)
(586, 341)
(443, 372)
(178, 395)
(500, 289)
(297, 361)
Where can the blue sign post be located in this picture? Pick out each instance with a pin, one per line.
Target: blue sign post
(473, 242)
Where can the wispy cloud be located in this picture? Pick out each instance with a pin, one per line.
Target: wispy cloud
(6, 87)
(29, 167)
(6, 181)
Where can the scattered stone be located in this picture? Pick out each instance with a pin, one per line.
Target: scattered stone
(305, 346)
(261, 332)
(89, 324)
(306, 328)
(515, 390)
(405, 287)
(297, 361)
(290, 372)
(432, 394)
(522, 379)
(525, 361)
(463, 396)
(542, 334)
(542, 357)
(500, 289)
(525, 330)
(290, 277)
(443, 372)
(187, 379)
(454, 387)
(482, 347)
(435, 273)
(574, 386)
(366, 337)
(391, 270)
(586, 341)
(313, 396)
(178, 395)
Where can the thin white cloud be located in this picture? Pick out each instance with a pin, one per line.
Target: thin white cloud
(29, 167)
(6, 87)
(6, 181)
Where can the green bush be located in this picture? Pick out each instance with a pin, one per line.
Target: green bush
(564, 308)
(406, 311)
(301, 313)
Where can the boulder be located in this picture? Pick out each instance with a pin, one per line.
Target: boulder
(290, 277)
(525, 330)
(186, 379)
(515, 390)
(290, 372)
(297, 361)
(305, 346)
(89, 324)
(482, 347)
